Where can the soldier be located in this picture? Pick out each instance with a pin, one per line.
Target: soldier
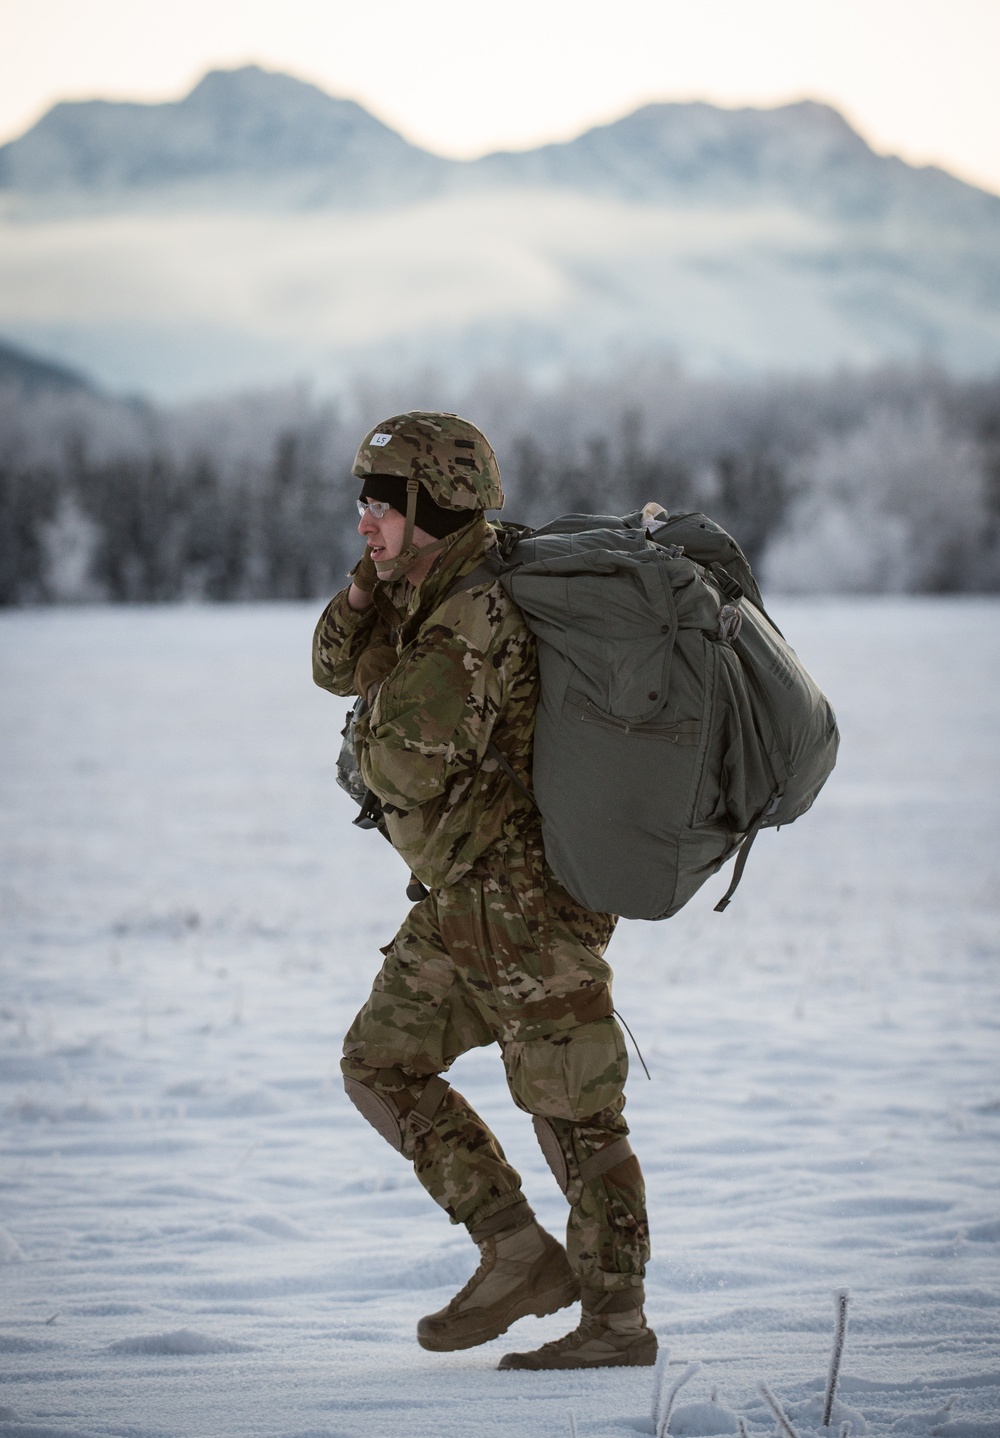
(498, 952)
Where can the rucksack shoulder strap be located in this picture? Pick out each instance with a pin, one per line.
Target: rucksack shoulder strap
(483, 573)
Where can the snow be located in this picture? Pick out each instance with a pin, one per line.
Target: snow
(199, 1237)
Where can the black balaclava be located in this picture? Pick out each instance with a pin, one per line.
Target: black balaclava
(432, 518)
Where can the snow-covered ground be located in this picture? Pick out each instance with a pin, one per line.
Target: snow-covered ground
(201, 1238)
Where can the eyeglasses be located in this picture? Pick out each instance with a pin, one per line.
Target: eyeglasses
(377, 508)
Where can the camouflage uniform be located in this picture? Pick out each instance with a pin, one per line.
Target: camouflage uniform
(499, 952)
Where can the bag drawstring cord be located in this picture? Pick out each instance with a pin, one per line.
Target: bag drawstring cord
(635, 1045)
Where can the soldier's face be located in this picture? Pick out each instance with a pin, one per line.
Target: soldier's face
(384, 536)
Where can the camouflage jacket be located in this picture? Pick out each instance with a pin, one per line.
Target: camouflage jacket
(466, 674)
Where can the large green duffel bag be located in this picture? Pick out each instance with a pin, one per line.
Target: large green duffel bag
(675, 721)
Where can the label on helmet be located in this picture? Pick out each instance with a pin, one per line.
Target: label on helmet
(380, 439)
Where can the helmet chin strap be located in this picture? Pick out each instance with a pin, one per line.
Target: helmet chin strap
(409, 553)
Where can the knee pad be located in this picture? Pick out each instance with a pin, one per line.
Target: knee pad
(380, 1112)
(385, 1118)
(552, 1150)
(555, 1156)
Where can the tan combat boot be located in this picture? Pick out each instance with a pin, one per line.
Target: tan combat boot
(612, 1334)
(521, 1272)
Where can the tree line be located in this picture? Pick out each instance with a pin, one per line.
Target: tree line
(874, 482)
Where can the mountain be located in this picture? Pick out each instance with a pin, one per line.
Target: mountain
(805, 153)
(234, 126)
(246, 131)
(259, 230)
(33, 373)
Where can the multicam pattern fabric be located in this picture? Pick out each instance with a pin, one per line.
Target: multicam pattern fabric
(607, 1236)
(466, 675)
(499, 952)
(451, 458)
(508, 957)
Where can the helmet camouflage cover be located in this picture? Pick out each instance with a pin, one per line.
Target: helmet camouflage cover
(452, 459)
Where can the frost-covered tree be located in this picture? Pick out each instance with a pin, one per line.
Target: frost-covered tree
(899, 504)
(880, 481)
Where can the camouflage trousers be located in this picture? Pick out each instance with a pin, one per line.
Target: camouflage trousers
(506, 956)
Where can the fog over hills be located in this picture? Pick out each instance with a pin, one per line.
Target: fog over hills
(260, 229)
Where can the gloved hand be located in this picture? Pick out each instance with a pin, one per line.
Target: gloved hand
(364, 573)
(375, 664)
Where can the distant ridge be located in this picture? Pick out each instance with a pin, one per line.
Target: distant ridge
(34, 373)
(259, 230)
(252, 127)
(235, 124)
(805, 152)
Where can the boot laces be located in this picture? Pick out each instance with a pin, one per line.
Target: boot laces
(590, 1326)
(481, 1272)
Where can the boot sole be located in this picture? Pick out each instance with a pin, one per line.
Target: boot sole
(538, 1306)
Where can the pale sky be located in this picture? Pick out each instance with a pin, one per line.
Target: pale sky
(918, 78)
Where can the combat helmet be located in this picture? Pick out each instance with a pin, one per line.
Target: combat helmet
(443, 454)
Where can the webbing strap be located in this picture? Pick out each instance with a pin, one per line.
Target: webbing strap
(409, 553)
(370, 811)
(483, 573)
(498, 758)
(609, 1157)
(741, 858)
(612, 1300)
(515, 1216)
(585, 1005)
(421, 1115)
